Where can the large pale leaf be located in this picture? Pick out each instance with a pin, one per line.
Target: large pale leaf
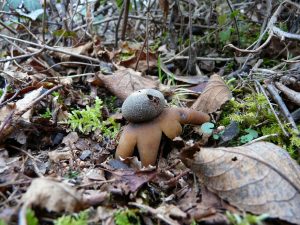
(259, 178)
(214, 95)
(53, 195)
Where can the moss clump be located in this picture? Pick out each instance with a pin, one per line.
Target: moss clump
(253, 111)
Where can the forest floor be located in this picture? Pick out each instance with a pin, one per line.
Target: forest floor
(66, 67)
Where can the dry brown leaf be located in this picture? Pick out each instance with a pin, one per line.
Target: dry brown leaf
(259, 178)
(125, 81)
(191, 79)
(53, 195)
(214, 95)
(57, 156)
(71, 138)
(141, 58)
(171, 211)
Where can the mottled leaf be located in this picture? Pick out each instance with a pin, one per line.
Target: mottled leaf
(259, 178)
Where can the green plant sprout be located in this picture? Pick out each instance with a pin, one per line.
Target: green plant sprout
(75, 219)
(162, 76)
(31, 218)
(2, 222)
(47, 114)
(246, 219)
(127, 217)
(90, 119)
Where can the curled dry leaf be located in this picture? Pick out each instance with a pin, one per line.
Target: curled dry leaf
(53, 195)
(125, 81)
(214, 95)
(259, 178)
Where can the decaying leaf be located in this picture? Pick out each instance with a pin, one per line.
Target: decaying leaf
(130, 180)
(259, 178)
(142, 62)
(214, 95)
(53, 195)
(57, 156)
(125, 81)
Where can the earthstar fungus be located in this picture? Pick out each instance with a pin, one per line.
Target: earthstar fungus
(146, 133)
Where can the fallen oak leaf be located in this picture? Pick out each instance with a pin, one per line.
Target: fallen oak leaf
(215, 94)
(132, 180)
(259, 177)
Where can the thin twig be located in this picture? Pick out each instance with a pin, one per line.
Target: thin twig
(118, 25)
(21, 56)
(44, 21)
(10, 99)
(289, 93)
(190, 61)
(272, 108)
(4, 92)
(204, 58)
(8, 28)
(254, 50)
(55, 49)
(187, 48)
(25, 152)
(235, 22)
(140, 54)
(125, 19)
(155, 213)
(283, 34)
(147, 34)
(262, 138)
(274, 93)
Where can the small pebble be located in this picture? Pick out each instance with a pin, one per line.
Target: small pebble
(85, 154)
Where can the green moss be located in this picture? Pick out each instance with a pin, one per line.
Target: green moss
(127, 217)
(75, 219)
(89, 119)
(253, 111)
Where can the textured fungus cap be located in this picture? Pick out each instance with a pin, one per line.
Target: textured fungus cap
(143, 105)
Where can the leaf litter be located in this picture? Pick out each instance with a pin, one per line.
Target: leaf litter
(45, 165)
